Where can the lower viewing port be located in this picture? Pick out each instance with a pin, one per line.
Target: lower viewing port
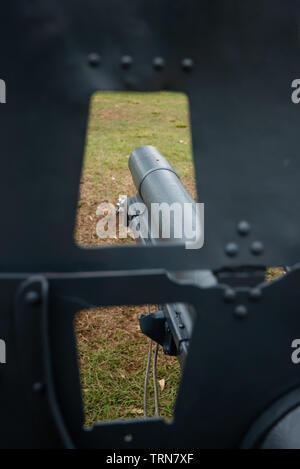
(113, 356)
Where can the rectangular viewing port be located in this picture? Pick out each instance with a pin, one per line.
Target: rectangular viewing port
(113, 355)
(120, 122)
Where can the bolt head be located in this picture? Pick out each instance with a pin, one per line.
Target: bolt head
(243, 228)
(232, 249)
(240, 312)
(187, 64)
(32, 297)
(94, 59)
(38, 387)
(255, 294)
(158, 63)
(229, 295)
(126, 62)
(257, 248)
(128, 438)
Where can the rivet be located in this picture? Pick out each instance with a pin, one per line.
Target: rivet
(229, 295)
(232, 249)
(255, 294)
(32, 297)
(257, 248)
(94, 59)
(128, 438)
(38, 387)
(240, 311)
(187, 65)
(243, 228)
(126, 61)
(158, 63)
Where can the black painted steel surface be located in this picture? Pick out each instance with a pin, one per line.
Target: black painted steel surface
(236, 62)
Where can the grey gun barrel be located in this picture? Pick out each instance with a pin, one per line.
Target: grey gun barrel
(154, 177)
(172, 213)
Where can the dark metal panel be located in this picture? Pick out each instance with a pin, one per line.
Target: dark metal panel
(237, 364)
(285, 435)
(278, 426)
(25, 419)
(245, 128)
(247, 168)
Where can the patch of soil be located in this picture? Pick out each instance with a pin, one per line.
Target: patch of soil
(87, 218)
(91, 324)
(124, 112)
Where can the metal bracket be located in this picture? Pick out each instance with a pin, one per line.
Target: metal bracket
(167, 328)
(33, 343)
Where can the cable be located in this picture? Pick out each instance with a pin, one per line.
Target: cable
(147, 379)
(155, 381)
(156, 397)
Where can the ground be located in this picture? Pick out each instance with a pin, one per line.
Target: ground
(112, 350)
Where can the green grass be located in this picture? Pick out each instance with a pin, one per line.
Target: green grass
(111, 391)
(120, 122)
(113, 355)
